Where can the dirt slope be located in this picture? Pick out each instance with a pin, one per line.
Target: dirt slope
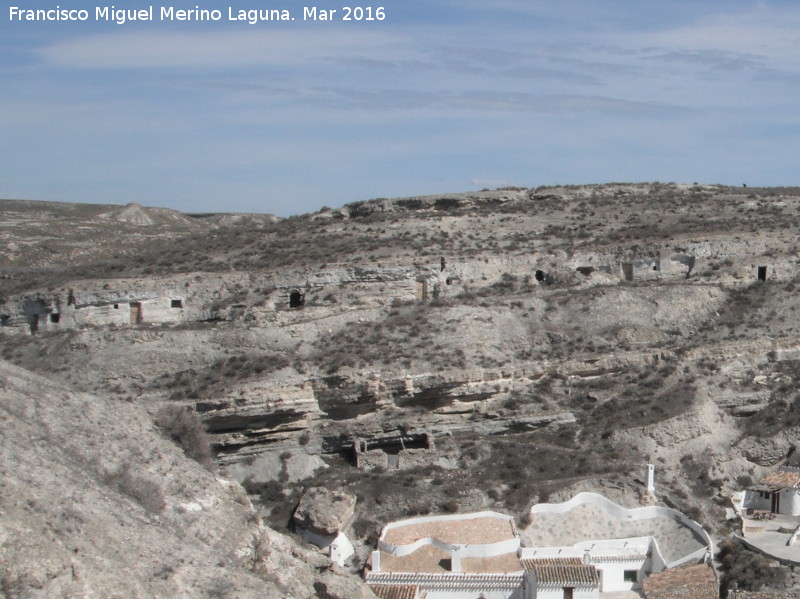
(94, 502)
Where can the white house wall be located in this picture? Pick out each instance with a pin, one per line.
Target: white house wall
(472, 594)
(755, 500)
(341, 549)
(634, 514)
(608, 557)
(557, 592)
(789, 502)
(612, 575)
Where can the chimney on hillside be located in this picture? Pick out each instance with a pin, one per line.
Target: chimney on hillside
(650, 478)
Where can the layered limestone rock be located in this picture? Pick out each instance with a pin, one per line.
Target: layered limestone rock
(331, 415)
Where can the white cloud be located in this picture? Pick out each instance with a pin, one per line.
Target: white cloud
(212, 49)
(489, 183)
(759, 34)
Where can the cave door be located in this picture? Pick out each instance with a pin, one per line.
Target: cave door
(136, 313)
(627, 271)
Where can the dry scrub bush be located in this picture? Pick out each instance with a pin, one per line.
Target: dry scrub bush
(183, 426)
(143, 489)
(750, 571)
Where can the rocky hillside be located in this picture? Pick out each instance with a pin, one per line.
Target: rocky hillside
(453, 352)
(53, 234)
(95, 501)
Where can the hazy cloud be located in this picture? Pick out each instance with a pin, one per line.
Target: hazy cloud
(519, 90)
(489, 183)
(210, 50)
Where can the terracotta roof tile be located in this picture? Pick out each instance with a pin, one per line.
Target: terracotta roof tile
(461, 580)
(561, 575)
(395, 591)
(783, 478)
(529, 563)
(623, 557)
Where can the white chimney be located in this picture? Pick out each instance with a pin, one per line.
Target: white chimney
(455, 559)
(376, 561)
(650, 478)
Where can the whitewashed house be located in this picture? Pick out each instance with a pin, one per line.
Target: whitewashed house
(462, 556)
(337, 546)
(321, 518)
(617, 564)
(778, 492)
(585, 549)
(561, 578)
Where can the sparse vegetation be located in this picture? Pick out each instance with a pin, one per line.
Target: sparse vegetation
(139, 486)
(749, 571)
(204, 383)
(409, 334)
(183, 426)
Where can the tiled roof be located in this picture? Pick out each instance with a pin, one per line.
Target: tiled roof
(621, 557)
(783, 478)
(561, 575)
(682, 577)
(395, 591)
(529, 563)
(458, 580)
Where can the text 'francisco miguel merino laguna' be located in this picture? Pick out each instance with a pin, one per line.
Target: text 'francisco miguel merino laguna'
(170, 13)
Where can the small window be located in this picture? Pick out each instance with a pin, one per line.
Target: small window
(296, 299)
(630, 575)
(176, 303)
(55, 317)
(116, 306)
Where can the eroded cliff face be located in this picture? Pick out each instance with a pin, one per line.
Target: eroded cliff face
(496, 347)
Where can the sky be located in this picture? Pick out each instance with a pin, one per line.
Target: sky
(438, 96)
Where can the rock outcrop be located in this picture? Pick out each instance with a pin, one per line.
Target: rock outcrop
(325, 512)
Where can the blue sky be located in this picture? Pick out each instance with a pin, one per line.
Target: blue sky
(440, 96)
